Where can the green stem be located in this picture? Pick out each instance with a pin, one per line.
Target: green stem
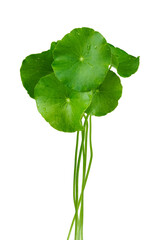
(77, 185)
(83, 176)
(75, 167)
(86, 177)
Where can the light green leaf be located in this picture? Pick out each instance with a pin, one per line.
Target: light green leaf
(81, 59)
(106, 96)
(61, 106)
(33, 68)
(125, 64)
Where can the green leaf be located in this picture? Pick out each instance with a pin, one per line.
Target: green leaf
(33, 68)
(61, 106)
(81, 59)
(128, 67)
(106, 96)
(125, 64)
(53, 45)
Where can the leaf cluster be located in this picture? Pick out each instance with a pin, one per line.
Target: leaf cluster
(74, 78)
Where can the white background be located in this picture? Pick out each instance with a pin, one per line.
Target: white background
(122, 197)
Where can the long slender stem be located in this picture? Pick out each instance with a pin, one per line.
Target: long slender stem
(91, 150)
(83, 176)
(75, 167)
(86, 177)
(76, 185)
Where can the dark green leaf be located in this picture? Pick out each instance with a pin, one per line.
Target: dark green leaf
(81, 59)
(61, 106)
(33, 68)
(125, 64)
(105, 98)
(53, 45)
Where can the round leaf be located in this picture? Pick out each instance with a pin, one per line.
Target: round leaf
(128, 67)
(125, 64)
(117, 56)
(105, 98)
(33, 68)
(81, 59)
(60, 106)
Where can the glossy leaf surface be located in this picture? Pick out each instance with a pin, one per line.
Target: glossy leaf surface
(125, 64)
(105, 98)
(60, 106)
(81, 59)
(33, 68)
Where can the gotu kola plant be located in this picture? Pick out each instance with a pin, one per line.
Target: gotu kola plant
(71, 82)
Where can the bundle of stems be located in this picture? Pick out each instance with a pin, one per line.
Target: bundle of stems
(81, 153)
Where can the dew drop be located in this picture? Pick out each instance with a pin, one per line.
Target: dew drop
(77, 33)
